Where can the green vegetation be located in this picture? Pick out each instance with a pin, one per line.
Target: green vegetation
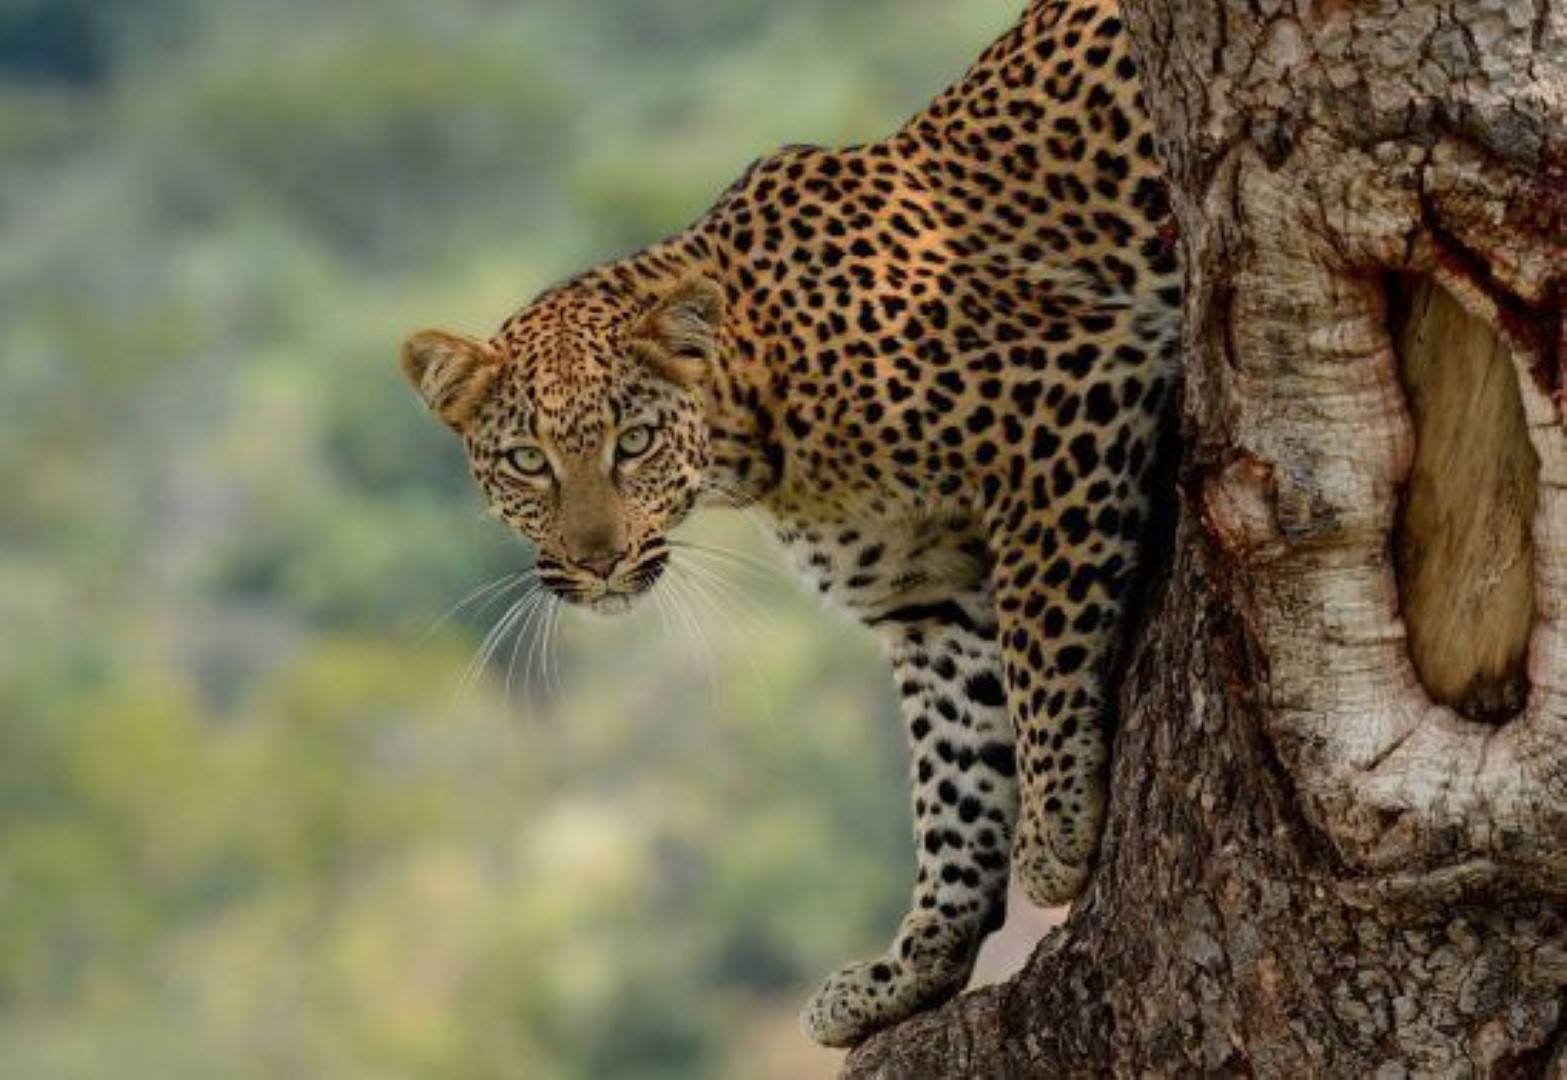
(251, 824)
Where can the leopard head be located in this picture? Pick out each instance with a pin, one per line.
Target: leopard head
(584, 424)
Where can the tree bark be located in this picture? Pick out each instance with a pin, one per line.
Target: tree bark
(1337, 844)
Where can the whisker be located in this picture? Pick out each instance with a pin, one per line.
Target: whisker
(468, 675)
(530, 580)
(745, 606)
(710, 664)
(504, 583)
(663, 613)
(518, 638)
(680, 626)
(487, 646)
(548, 667)
(490, 642)
(536, 635)
(737, 558)
(710, 597)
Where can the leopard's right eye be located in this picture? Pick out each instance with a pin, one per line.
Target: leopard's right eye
(527, 461)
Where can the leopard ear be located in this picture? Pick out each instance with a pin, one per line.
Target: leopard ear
(678, 339)
(452, 373)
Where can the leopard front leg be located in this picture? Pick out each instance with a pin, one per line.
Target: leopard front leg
(1059, 591)
(945, 661)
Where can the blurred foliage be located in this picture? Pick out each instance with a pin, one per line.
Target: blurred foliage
(253, 822)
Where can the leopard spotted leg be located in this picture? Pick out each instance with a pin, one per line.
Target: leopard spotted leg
(963, 787)
(1059, 596)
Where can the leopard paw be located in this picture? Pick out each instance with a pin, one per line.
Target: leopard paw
(859, 1001)
(929, 962)
(1047, 878)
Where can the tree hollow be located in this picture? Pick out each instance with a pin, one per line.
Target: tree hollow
(1463, 544)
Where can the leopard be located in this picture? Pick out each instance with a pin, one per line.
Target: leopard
(939, 366)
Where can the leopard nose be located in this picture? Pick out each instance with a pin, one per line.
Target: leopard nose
(602, 563)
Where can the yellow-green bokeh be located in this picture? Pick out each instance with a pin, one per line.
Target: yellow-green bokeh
(252, 824)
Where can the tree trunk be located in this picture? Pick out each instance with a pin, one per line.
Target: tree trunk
(1338, 838)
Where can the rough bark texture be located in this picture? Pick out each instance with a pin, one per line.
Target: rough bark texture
(1338, 836)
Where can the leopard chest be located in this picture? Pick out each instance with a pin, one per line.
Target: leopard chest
(870, 568)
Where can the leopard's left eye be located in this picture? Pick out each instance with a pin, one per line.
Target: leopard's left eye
(634, 441)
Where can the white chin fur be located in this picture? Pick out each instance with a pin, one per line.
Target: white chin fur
(611, 604)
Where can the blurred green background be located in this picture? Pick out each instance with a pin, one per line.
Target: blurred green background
(253, 820)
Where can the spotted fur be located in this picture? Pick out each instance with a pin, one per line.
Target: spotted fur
(939, 363)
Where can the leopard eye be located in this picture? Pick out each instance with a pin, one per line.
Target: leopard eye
(634, 441)
(527, 460)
